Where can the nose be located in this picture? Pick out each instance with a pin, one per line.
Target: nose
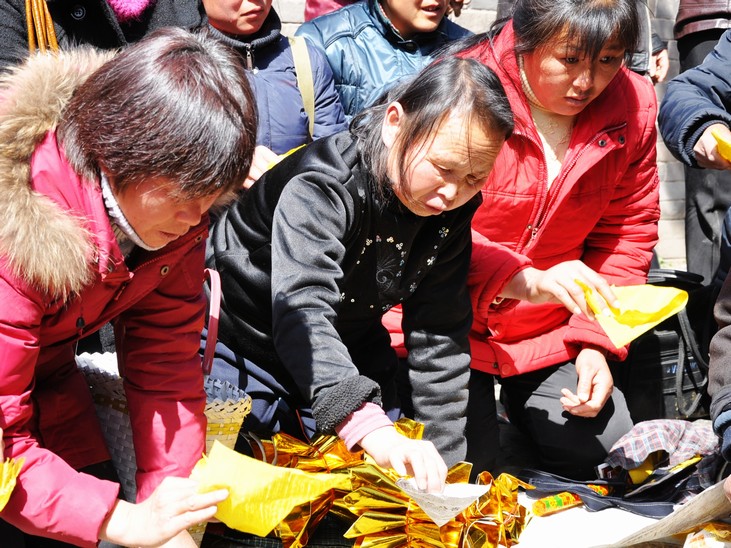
(585, 79)
(190, 213)
(449, 192)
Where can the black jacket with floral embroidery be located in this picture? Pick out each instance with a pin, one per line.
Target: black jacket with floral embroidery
(311, 258)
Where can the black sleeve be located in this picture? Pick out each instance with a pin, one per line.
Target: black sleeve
(309, 229)
(13, 34)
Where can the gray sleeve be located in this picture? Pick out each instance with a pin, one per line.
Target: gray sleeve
(13, 34)
(437, 320)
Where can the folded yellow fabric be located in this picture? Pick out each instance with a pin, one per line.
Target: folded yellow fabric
(8, 474)
(260, 495)
(724, 146)
(641, 308)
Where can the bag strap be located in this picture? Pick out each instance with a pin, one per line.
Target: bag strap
(214, 314)
(305, 83)
(41, 34)
(546, 483)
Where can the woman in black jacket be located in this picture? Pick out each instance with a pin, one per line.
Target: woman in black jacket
(336, 234)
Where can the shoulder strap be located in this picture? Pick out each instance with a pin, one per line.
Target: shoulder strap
(305, 83)
(214, 313)
(41, 34)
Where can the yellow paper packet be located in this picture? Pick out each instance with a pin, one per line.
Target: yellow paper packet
(724, 146)
(641, 308)
(260, 495)
(8, 475)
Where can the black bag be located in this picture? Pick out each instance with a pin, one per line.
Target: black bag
(545, 484)
(666, 372)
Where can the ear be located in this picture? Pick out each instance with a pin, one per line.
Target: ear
(392, 123)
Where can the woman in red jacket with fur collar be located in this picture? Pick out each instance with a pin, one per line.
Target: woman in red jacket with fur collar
(107, 170)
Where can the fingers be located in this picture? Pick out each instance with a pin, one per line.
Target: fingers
(422, 461)
(262, 161)
(417, 458)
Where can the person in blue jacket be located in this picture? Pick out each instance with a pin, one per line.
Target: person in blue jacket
(372, 44)
(253, 28)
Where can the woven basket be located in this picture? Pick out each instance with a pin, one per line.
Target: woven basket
(226, 408)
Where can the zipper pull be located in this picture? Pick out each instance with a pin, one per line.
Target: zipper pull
(533, 231)
(249, 58)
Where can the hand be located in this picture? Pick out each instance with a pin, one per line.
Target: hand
(727, 487)
(594, 387)
(706, 148)
(558, 285)
(455, 6)
(659, 66)
(263, 160)
(164, 517)
(417, 458)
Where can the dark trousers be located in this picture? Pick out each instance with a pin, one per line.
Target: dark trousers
(707, 191)
(563, 443)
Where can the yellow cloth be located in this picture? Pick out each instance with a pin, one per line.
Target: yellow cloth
(724, 146)
(641, 308)
(260, 495)
(8, 475)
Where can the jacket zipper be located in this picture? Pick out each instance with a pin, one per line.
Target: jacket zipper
(249, 57)
(545, 207)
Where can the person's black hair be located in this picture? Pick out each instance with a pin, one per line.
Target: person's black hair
(449, 85)
(175, 105)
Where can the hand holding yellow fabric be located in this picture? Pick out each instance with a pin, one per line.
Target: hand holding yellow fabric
(261, 495)
(642, 307)
(724, 146)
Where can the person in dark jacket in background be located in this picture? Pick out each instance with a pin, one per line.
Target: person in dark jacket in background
(253, 28)
(332, 237)
(699, 25)
(697, 103)
(372, 44)
(100, 23)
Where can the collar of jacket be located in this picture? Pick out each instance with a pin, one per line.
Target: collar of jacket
(33, 99)
(269, 33)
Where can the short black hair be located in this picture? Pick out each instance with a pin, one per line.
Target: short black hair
(175, 105)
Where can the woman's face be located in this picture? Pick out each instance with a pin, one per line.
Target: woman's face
(156, 211)
(565, 80)
(411, 17)
(448, 170)
(237, 17)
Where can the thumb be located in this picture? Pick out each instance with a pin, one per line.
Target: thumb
(583, 388)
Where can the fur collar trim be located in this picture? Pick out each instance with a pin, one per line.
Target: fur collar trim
(40, 242)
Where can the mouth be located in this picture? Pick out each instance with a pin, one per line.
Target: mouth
(435, 9)
(579, 100)
(171, 235)
(434, 210)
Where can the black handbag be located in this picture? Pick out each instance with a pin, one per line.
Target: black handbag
(665, 375)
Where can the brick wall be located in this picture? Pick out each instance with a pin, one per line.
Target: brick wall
(478, 16)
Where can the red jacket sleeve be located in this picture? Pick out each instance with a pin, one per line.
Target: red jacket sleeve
(492, 265)
(50, 497)
(158, 341)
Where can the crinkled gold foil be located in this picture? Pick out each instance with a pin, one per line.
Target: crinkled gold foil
(380, 513)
